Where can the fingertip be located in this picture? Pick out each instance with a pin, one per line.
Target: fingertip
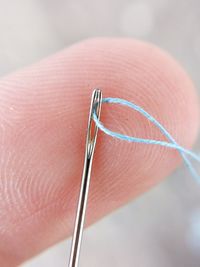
(46, 110)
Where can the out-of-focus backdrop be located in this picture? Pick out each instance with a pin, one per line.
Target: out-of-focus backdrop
(161, 228)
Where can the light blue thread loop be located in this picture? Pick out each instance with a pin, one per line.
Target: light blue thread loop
(185, 153)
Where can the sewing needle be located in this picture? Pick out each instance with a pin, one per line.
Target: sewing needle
(91, 138)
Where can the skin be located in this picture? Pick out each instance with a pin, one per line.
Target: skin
(43, 120)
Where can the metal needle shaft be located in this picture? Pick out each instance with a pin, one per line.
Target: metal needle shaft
(83, 195)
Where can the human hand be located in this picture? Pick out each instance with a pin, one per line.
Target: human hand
(43, 115)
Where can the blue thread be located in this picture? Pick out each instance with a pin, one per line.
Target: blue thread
(172, 144)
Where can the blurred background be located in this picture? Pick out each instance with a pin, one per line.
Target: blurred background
(161, 228)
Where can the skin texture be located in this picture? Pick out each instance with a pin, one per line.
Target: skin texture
(43, 121)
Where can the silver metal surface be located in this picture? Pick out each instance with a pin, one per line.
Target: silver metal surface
(83, 196)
